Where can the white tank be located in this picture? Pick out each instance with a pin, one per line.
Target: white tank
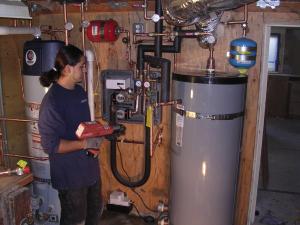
(39, 57)
(206, 137)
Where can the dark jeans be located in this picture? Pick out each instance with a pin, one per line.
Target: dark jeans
(81, 206)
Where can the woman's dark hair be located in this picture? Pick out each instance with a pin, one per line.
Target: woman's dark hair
(67, 55)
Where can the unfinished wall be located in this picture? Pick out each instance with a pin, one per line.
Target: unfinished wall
(14, 107)
(192, 57)
(113, 56)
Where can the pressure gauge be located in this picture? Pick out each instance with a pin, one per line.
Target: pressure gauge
(120, 98)
(146, 84)
(138, 83)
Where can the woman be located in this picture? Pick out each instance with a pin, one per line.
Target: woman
(75, 175)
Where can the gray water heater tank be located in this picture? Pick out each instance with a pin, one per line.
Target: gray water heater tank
(206, 138)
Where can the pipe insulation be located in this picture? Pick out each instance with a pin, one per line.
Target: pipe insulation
(90, 72)
(35, 31)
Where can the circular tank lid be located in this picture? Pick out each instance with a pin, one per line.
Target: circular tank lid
(203, 77)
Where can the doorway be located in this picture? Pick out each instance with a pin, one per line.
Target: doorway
(276, 182)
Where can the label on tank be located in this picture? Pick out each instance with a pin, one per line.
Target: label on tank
(179, 126)
(30, 57)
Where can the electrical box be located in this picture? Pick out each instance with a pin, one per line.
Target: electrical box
(119, 85)
(138, 28)
(130, 96)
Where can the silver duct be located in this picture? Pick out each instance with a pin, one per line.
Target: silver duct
(188, 12)
(208, 25)
(205, 14)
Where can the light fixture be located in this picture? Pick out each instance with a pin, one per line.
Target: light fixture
(15, 9)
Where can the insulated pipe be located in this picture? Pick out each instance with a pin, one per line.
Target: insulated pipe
(90, 72)
(165, 66)
(158, 29)
(35, 31)
(175, 48)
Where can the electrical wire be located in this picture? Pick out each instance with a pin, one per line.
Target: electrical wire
(142, 200)
(138, 212)
(132, 189)
(121, 161)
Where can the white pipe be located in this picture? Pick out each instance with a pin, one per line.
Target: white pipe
(20, 30)
(90, 72)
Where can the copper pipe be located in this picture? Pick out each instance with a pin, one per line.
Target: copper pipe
(210, 67)
(26, 157)
(178, 101)
(175, 62)
(158, 138)
(82, 16)
(143, 40)
(145, 11)
(130, 141)
(128, 46)
(1, 148)
(169, 35)
(143, 100)
(245, 20)
(146, 17)
(151, 136)
(65, 19)
(18, 120)
(136, 105)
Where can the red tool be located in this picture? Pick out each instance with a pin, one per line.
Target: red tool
(96, 129)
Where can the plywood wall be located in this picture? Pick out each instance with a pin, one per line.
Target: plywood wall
(113, 56)
(14, 107)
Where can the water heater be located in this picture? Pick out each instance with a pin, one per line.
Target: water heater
(206, 136)
(38, 57)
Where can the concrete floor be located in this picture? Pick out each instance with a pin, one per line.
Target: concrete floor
(113, 218)
(279, 202)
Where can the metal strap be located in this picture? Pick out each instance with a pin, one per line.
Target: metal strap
(42, 180)
(200, 116)
(243, 48)
(243, 57)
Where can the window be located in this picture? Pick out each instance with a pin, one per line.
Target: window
(273, 59)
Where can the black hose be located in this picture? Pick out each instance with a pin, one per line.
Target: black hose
(147, 165)
(158, 29)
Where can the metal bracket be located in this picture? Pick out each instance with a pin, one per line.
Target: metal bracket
(196, 115)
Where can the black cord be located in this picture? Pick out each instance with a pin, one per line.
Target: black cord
(138, 212)
(133, 190)
(147, 207)
(122, 164)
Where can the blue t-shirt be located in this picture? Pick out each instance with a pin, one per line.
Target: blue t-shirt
(61, 111)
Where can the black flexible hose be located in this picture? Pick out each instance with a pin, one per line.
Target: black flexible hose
(147, 165)
(113, 153)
